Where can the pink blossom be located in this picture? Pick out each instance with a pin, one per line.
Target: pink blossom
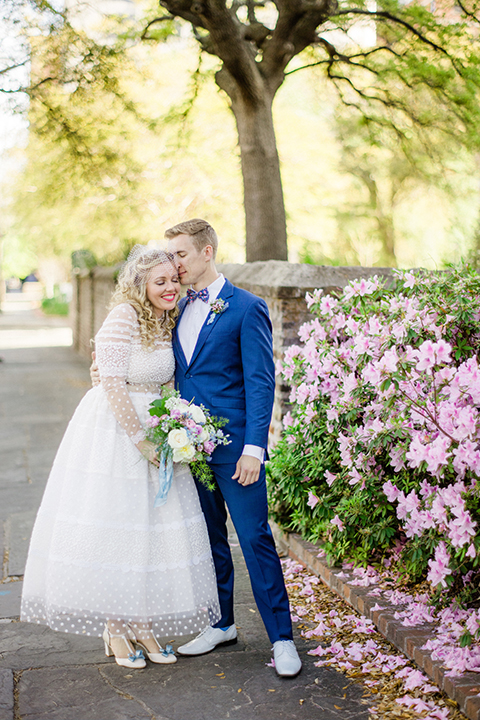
(336, 521)
(391, 491)
(439, 567)
(471, 552)
(361, 344)
(462, 528)
(415, 679)
(209, 447)
(288, 420)
(327, 305)
(329, 477)
(312, 500)
(354, 476)
(417, 452)
(303, 392)
(430, 354)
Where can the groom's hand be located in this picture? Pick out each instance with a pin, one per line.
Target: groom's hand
(247, 471)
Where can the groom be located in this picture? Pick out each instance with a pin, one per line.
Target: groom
(224, 360)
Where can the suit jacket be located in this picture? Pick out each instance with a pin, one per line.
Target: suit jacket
(231, 371)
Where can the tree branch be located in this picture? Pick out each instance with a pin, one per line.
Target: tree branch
(469, 14)
(335, 56)
(144, 36)
(400, 21)
(14, 67)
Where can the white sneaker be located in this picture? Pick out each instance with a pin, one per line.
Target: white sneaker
(208, 639)
(285, 655)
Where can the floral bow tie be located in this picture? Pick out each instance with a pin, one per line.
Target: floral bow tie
(192, 295)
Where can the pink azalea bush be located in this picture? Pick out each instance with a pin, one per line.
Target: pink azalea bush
(381, 450)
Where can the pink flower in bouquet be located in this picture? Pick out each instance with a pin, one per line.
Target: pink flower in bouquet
(208, 446)
(153, 421)
(190, 424)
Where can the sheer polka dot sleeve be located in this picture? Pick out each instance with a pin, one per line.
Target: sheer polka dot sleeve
(113, 348)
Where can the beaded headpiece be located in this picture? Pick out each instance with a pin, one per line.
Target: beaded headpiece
(141, 259)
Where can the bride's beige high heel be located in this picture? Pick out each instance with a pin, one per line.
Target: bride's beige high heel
(162, 656)
(133, 660)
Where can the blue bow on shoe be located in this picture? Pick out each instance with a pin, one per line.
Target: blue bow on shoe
(168, 651)
(165, 477)
(136, 656)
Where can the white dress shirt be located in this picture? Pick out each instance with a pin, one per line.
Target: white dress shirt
(192, 321)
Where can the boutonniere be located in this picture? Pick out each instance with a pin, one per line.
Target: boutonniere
(217, 308)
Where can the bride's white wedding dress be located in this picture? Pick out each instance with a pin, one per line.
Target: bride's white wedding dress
(99, 549)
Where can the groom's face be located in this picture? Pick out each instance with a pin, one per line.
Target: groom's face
(191, 263)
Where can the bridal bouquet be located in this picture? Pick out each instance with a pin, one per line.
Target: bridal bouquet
(185, 433)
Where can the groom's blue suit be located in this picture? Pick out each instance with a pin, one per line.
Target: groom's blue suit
(231, 372)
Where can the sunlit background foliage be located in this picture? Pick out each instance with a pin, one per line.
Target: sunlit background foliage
(103, 170)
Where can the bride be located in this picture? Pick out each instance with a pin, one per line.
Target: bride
(103, 560)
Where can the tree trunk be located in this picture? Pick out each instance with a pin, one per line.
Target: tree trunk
(266, 232)
(387, 236)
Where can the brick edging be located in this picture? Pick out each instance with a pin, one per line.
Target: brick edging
(464, 689)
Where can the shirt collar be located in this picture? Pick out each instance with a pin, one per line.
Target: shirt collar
(215, 287)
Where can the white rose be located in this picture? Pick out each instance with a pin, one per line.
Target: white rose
(172, 403)
(177, 438)
(184, 454)
(197, 414)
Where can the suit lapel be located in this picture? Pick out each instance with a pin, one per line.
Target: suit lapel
(177, 347)
(224, 294)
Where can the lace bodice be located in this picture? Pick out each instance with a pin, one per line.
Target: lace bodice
(123, 361)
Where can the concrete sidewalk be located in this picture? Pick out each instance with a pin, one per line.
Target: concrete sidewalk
(58, 676)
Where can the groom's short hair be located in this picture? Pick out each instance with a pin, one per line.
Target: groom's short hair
(201, 232)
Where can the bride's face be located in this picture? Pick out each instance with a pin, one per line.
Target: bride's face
(163, 287)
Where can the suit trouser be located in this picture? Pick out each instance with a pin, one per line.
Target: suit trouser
(248, 509)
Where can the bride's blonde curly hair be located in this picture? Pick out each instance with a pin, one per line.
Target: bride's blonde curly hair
(132, 288)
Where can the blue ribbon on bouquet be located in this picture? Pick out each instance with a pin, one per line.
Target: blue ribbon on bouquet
(165, 477)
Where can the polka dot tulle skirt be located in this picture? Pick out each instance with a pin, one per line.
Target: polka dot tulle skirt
(100, 550)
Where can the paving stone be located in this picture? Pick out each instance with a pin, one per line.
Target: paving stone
(67, 693)
(24, 645)
(10, 596)
(18, 529)
(233, 684)
(6, 695)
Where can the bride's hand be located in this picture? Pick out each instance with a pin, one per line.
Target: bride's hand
(94, 374)
(149, 451)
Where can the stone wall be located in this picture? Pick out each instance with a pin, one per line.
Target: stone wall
(283, 285)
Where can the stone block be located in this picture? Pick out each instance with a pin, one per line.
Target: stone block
(462, 688)
(416, 638)
(6, 695)
(10, 596)
(18, 529)
(472, 708)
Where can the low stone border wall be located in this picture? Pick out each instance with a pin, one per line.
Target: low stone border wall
(465, 689)
(283, 286)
